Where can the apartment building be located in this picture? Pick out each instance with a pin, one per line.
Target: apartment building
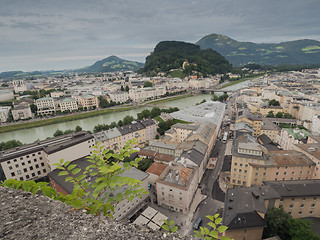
(268, 128)
(176, 187)
(312, 150)
(119, 96)
(68, 104)
(46, 106)
(245, 208)
(33, 161)
(122, 209)
(89, 101)
(142, 94)
(315, 127)
(142, 131)
(4, 113)
(275, 109)
(288, 137)
(21, 112)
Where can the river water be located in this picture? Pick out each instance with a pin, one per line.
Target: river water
(40, 133)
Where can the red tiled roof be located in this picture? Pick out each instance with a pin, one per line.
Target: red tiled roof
(163, 157)
(156, 168)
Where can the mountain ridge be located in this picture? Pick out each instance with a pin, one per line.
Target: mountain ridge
(302, 51)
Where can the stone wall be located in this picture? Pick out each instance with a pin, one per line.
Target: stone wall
(26, 216)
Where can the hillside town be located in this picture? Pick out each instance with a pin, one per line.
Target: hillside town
(257, 150)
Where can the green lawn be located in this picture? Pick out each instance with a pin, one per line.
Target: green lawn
(159, 119)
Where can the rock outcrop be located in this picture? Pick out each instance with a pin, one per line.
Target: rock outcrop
(26, 216)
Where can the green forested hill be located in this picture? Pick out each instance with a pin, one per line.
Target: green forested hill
(168, 55)
(111, 64)
(241, 53)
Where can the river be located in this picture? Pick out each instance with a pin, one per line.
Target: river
(39, 133)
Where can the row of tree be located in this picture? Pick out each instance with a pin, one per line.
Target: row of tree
(279, 115)
(59, 132)
(155, 112)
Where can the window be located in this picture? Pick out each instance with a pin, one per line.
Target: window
(264, 174)
(13, 174)
(37, 166)
(15, 160)
(29, 162)
(285, 173)
(34, 160)
(21, 178)
(17, 165)
(23, 163)
(291, 206)
(10, 168)
(33, 174)
(310, 212)
(27, 156)
(25, 170)
(312, 205)
(277, 173)
(27, 177)
(44, 170)
(314, 199)
(31, 168)
(8, 162)
(292, 199)
(42, 164)
(235, 164)
(257, 174)
(300, 212)
(302, 205)
(19, 172)
(40, 158)
(39, 173)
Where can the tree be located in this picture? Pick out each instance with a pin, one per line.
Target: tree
(127, 120)
(120, 123)
(78, 129)
(147, 84)
(274, 102)
(57, 133)
(113, 125)
(103, 103)
(122, 88)
(127, 88)
(155, 111)
(9, 144)
(282, 224)
(288, 115)
(215, 98)
(279, 115)
(144, 164)
(223, 97)
(270, 114)
(33, 108)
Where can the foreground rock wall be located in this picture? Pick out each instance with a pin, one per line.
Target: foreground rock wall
(25, 216)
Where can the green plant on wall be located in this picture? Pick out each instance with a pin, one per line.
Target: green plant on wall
(93, 188)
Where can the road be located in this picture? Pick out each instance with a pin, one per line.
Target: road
(214, 202)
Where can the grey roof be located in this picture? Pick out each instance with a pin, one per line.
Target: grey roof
(296, 188)
(209, 111)
(242, 206)
(147, 122)
(185, 126)
(20, 107)
(82, 163)
(133, 127)
(160, 144)
(112, 133)
(268, 125)
(193, 155)
(49, 145)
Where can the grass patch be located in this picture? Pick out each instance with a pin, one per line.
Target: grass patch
(308, 48)
(180, 121)
(159, 119)
(177, 74)
(55, 120)
(169, 99)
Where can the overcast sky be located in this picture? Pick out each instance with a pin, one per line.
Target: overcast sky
(67, 34)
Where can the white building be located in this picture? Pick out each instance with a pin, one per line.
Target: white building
(4, 113)
(119, 96)
(315, 127)
(19, 86)
(142, 94)
(21, 112)
(46, 106)
(68, 104)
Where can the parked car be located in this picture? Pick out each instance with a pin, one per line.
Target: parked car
(197, 223)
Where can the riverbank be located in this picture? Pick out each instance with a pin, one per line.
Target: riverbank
(240, 80)
(77, 116)
(60, 119)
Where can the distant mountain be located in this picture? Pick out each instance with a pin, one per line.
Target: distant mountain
(171, 55)
(111, 64)
(241, 53)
